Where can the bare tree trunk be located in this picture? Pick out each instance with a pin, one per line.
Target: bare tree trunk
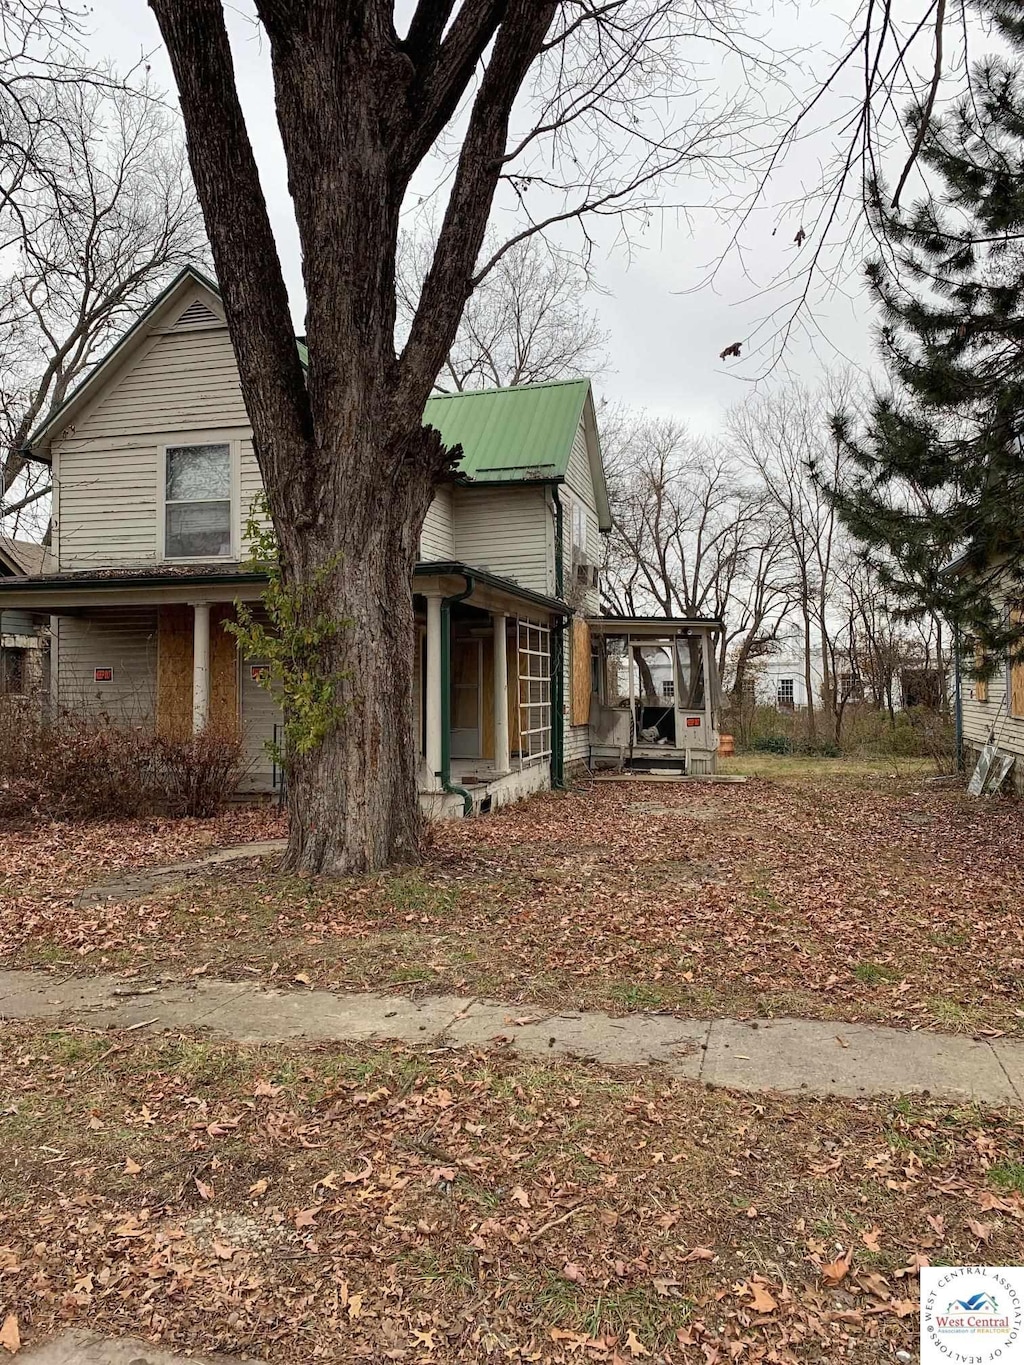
(353, 797)
(808, 669)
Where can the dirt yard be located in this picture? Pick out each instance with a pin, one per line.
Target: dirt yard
(824, 890)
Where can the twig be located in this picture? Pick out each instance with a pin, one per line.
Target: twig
(580, 1208)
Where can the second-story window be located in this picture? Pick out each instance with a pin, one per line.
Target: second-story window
(197, 502)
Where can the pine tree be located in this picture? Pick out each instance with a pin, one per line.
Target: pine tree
(936, 472)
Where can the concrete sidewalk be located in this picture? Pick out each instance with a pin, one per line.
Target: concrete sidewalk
(790, 1055)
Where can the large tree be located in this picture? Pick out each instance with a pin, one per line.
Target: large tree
(936, 468)
(781, 436)
(548, 100)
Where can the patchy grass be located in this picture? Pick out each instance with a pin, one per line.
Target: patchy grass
(411, 1205)
(861, 895)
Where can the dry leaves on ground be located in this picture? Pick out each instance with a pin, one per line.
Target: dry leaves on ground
(394, 1205)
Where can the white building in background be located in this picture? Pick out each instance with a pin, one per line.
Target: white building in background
(780, 678)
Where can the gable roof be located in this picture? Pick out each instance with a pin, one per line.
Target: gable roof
(186, 278)
(21, 556)
(519, 434)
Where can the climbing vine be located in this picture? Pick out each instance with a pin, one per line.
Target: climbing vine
(292, 644)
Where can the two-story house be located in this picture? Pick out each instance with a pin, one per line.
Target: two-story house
(154, 476)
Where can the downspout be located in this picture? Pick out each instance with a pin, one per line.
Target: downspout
(558, 654)
(446, 695)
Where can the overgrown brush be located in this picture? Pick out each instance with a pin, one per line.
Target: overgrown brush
(79, 767)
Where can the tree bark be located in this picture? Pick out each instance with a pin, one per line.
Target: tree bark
(353, 798)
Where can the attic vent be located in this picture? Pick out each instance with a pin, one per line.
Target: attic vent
(197, 314)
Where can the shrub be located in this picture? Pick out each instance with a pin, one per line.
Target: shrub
(80, 767)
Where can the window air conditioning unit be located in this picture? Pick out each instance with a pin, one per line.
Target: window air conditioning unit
(587, 574)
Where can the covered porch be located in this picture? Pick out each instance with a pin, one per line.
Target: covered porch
(149, 647)
(488, 682)
(656, 702)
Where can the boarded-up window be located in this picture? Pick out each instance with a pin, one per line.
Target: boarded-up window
(581, 675)
(980, 684)
(1017, 673)
(174, 670)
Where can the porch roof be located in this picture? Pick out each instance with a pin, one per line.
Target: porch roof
(652, 625)
(55, 592)
(482, 578)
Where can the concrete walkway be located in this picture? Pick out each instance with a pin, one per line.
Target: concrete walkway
(77, 1347)
(134, 885)
(791, 1055)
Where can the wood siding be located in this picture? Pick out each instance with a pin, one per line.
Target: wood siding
(182, 385)
(121, 638)
(507, 531)
(437, 540)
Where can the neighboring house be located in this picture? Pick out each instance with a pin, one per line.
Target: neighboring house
(992, 708)
(779, 679)
(22, 652)
(154, 475)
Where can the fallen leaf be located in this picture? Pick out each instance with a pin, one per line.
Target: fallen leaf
(10, 1337)
(222, 1251)
(306, 1218)
(760, 1300)
(131, 1167)
(261, 1186)
(521, 1197)
(835, 1271)
(573, 1272)
(634, 1346)
(205, 1191)
(355, 1305)
(983, 1231)
(870, 1238)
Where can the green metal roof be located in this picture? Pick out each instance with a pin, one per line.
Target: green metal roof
(518, 433)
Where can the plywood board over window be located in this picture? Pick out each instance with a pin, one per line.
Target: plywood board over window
(1017, 673)
(175, 634)
(581, 674)
(980, 684)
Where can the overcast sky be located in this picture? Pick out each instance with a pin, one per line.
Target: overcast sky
(665, 330)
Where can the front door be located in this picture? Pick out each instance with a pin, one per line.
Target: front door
(467, 658)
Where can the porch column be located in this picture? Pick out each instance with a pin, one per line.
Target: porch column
(200, 666)
(502, 761)
(433, 708)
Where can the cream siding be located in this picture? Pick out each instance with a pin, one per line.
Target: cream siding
(183, 386)
(508, 531)
(250, 489)
(437, 540)
(121, 638)
(260, 713)
(980, 716)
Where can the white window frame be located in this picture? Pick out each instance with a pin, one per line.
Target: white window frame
(533, 641)
(217, 438)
